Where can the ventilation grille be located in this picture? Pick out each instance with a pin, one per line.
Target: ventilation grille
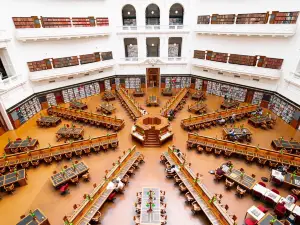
(237, 76)
(52, 81)
(255, 79)
(205, 70)
(220, 73)
(70, 78)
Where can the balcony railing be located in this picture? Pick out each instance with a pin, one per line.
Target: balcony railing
(284, 30)
(153, 29)
(252, 71)
(33, 34)
(70, 71)
(10, 82)
(153, 60)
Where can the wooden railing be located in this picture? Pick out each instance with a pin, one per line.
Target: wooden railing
(47, 154)
(195, 140)
(87, 117)
(88, 207)
(174, 102)
(214, 116)
(130, 104)
(212, 209)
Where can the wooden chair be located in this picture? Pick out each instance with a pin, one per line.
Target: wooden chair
(136, 220)
(131, 171)
(163, 207)
(196, 208)
(137, 207)
(200, 149)
(189, 198)
(218, 177)
(25, 165)
(218, 151)
(177, 179)
(240, 191)
(35, 163)
(125, 179)
(86, 176)
(10, 188)
(2, 170)
(12, 168)
(96, 217)
(22, 217)
(227, 153)
(163, 219)
(249, 158)
(75, 206)
(57, 157)
(229, 184)
(261, 161)
(48, 160)
(74, 180)
(273, 164)
(68, 155)
(208, 149)
(263, 125)
(182, 187)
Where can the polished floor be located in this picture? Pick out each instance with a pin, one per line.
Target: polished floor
(39, 192)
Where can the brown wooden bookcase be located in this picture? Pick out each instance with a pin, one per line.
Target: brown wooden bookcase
(89, 58)
(222, 19)
(44, 64)
(83, 21)
(26, 22)
(102, 21)
(65, 62)
(246, 60)
(283, 17)
(198, 54)
(203, 19)
(252, 18)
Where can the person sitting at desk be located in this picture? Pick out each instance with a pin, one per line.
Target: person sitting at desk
(221, 121)
(220, 172)
(231, 134)
(119, 186)
(171, 170)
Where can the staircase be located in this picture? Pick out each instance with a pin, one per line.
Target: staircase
(151, 140)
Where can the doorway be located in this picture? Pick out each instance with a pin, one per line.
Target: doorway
(153, 75)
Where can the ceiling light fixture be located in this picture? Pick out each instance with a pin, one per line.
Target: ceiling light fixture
(130, 45)
(176, 12)
(175, 44)
(152, 12)
(152, 44)
(128, 13)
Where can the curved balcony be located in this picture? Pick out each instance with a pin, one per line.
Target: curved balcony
(70, 71)
(35, 34)
(283, 30)
(152, 29)
(11, 82)
(252, 71)
(152, 60)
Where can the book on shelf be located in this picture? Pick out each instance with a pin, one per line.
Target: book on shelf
(284, 17)
(219, 57)
(89, 58)
(203, 19)
(271, 63)
(106, 55)
(222, 19)
(26, 22)
(102, 21)
(246, 60)
(65, 62)
(252, 18)
(198, 54)
(44, 64)
(56, 22)
(51, 99)
(83, 21)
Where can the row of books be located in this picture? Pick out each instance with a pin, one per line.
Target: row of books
(47, 64)
(178, 82)
(59, 22)
(250, 18)
(282, 109)
(247, 60)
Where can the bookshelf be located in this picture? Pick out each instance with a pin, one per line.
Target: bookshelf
(97, 88)
(106, 56)
(198, 54)
(222, 19)
(21, 113)
(76, 93)
(81, 92)
(87, 90)
(272, 63)
(65, 62)
(217, 56)
(44, 64)
(252, 18)
(56, 22)
(83, 21)
(257, 98)
(117, 82)
(65, 96)
(26, 22)
(107, 84)
(51, 99)
(198, 84)
(235, 93)
(203, 19)
(71, 94)
(102, 21)
(283, 17)
(89, 58)
(281, 108)
(246, 60)
(92, 88)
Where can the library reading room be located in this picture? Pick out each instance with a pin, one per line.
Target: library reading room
(149, 112)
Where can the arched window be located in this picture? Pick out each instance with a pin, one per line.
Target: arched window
(176, 14)
(152, 15)
(129, 15)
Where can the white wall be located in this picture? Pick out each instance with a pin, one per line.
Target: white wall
(287, 48)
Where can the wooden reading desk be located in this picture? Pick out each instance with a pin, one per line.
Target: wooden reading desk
(64, 132)
(238, 132)
(167, 92)
(288, 145)
(21, 145)
(138, 92)
(198, 108)
(64, 176)
(213, 210)
(78, 105)
(129, 103)
(48, 121)
(150, 218)
(207, 119)
(267, 155)
(256, 121)
(87, 117)
(25, 159)
(108, 96)
(229, 104)
(152, 100)
(175, 102)
(40, 219)
(19, 177)
(289, 179)
(106, 108)
(87, 209)
(199, 95)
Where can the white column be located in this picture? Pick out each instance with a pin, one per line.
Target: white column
(164, 43)
(142, 48)
(5, 116)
